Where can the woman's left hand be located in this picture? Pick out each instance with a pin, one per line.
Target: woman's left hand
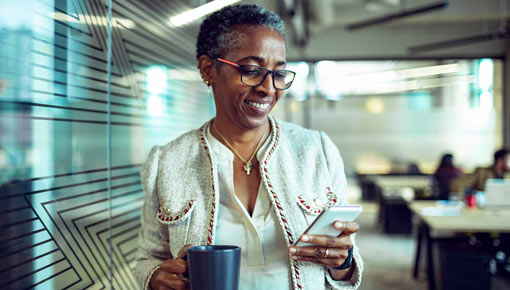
(329, 250)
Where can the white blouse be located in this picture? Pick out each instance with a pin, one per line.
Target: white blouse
(264, 255)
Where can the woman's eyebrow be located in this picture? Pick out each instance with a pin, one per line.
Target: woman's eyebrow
(260, 60)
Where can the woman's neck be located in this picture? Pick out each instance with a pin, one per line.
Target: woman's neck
(243, 140)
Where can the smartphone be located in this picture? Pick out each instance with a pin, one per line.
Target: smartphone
(323, 224)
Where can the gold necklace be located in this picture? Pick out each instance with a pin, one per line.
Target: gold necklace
(248, 166)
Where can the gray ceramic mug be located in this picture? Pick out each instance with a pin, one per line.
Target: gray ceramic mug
(214, 267)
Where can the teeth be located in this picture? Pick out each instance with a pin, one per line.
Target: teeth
(258, 105)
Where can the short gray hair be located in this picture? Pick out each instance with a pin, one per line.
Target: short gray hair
(217, 33)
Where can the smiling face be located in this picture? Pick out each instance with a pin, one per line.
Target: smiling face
(239, 106)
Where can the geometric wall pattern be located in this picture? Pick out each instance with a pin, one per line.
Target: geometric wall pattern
(55, 207)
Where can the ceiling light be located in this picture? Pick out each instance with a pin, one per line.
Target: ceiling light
(194, 14)
(374, 105)
(420, 84)
(409, 73)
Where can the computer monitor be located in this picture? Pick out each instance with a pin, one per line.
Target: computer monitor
(497, 192)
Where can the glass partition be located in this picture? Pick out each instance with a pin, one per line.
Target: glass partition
(69, 217)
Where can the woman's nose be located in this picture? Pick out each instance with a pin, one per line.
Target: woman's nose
(267, 86)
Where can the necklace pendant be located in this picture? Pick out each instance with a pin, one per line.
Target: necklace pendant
(247, 167)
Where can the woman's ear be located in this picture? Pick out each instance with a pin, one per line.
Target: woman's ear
(206, 67)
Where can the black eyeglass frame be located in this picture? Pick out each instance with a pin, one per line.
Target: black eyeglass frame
(242, 67)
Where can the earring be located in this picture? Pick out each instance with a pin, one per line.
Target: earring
(205, 80)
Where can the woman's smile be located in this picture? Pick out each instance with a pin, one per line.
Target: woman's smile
(257, 107)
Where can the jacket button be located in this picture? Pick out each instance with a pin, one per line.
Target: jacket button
(318, 202)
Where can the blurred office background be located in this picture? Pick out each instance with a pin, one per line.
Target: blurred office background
(84, 96)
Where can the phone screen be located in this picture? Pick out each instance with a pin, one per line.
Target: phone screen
(323, 224)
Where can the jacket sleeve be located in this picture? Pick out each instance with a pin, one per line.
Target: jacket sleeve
(335, 166)
(153, 243)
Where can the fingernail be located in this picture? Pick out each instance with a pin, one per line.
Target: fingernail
(293, 257)
(338, 225)
(292, 250)
(304, 238)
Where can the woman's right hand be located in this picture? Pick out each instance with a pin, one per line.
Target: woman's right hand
(170, 274)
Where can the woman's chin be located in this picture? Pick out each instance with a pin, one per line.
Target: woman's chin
(252, 122)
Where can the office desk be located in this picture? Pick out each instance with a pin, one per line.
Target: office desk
(468, 221)
(393, 193)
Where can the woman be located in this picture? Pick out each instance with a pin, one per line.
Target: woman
(445, 173)
(244, 178)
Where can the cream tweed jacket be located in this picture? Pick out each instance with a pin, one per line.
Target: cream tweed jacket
(301, 169)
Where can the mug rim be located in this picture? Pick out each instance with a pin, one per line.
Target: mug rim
(215, 248)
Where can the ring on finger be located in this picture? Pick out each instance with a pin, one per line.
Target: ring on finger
(326, 253)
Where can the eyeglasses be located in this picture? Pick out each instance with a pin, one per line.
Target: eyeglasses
(254, 75)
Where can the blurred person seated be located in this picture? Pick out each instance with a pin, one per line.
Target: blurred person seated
(475, 181)
(445, 173)
(399, 167)
(413, 169)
